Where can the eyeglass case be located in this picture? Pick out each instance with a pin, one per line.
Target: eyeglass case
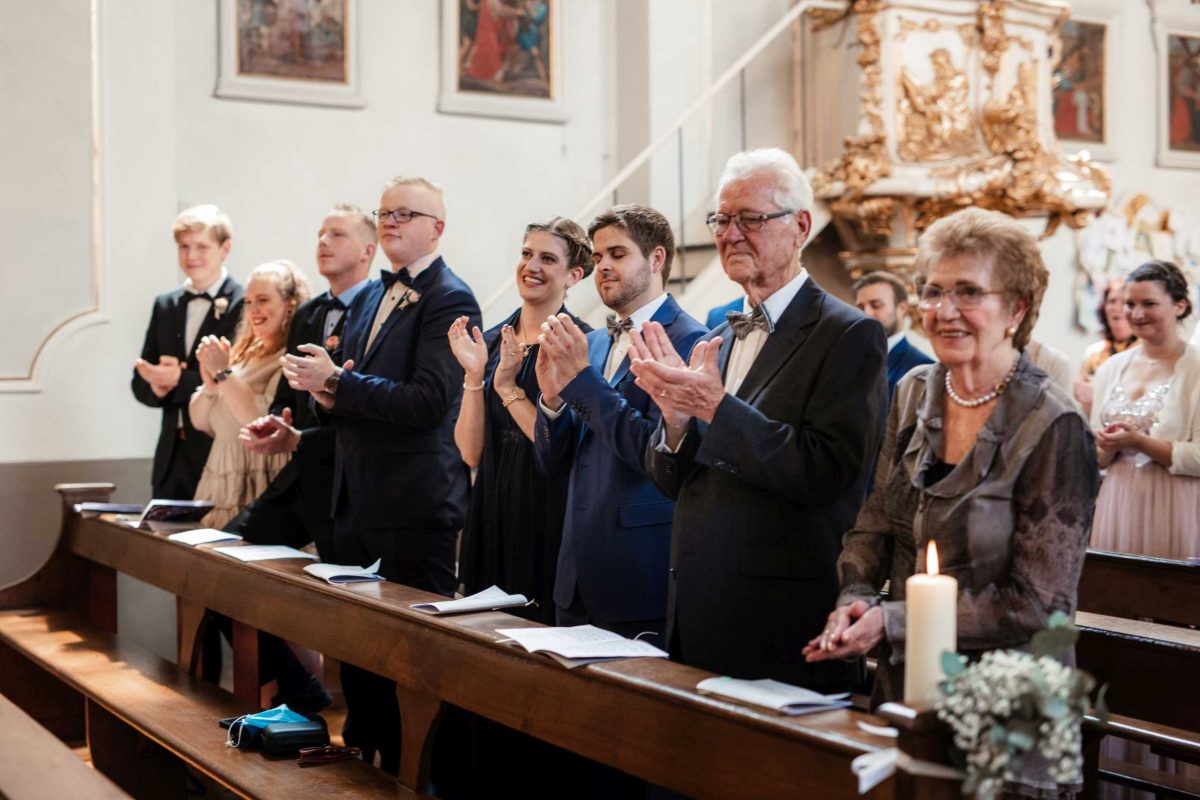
(284, 739)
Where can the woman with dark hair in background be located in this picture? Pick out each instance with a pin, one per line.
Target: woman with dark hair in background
(1118, 337)
(1146, 416)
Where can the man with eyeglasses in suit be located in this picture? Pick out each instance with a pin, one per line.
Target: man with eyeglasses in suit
(399, 485)
(766, 441)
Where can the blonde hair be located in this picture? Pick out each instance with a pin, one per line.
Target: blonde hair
(205, 217)
(422, 183)
(365, 224)
(293, 288)
(991, 235)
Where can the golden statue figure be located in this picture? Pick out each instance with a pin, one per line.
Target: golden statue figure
(935, 118)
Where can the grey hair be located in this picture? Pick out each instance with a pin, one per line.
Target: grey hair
(792, 190)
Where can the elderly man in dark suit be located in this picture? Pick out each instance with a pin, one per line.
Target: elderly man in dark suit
(767, 437)
(167, 373)
(399, 484)
(884, 297)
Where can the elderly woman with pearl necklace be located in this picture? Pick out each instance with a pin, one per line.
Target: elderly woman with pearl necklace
(983, 454)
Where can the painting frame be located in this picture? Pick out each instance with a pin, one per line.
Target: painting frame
(1169, 26)
(1100, 148)
(232, 83)
(455, 99)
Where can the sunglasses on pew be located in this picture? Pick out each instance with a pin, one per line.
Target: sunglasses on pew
(326, 754)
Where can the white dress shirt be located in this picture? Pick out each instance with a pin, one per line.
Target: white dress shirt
(333, 315)
(198, 310)
(394, 294)
(745, 351)
(894, 340)
(620, 348)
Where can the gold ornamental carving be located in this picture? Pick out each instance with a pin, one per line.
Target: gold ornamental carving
(935, 118)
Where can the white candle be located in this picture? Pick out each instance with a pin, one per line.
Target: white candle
(931, 602)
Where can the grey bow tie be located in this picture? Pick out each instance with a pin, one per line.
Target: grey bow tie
(742, 324)
(615, 329)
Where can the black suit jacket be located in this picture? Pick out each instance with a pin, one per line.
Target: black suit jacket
(396, 465)
(165, 337)
(765, 492)
(312, 463)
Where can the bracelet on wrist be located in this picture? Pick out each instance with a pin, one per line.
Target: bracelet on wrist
(478, 388)
(222, 374)
(517, 394)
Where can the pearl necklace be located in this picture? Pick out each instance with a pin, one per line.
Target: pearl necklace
(986, 398)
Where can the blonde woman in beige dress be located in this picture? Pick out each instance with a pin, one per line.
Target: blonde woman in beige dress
(239, 382)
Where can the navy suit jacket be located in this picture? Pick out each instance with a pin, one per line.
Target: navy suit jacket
(396, 466)
(716, 316)
(617, 529)
(164, 337)
(765, 492)
(902, 358)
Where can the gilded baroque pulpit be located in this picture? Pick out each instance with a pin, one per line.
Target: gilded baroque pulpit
(953, 109)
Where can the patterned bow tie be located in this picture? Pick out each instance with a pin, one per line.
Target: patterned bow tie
(390, 278)
(615, 329)
(742, 324)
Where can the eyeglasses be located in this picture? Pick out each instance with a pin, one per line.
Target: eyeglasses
(931, 296)
(400, 215)
(745, 220)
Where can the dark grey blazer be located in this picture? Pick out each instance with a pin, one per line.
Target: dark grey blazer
(765, 492)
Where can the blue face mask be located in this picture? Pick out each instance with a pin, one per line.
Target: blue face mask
(256, 722)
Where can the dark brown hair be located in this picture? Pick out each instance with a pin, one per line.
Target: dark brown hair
(572, 234)
(648, 229)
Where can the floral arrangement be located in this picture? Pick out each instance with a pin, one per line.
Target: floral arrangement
(1011, 709)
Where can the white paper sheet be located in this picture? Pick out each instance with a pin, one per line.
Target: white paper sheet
(491, 598)
(581, 641)
(263, 552)
(203, 536)
(337, 574)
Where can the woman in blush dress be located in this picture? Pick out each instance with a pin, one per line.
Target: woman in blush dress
(239, 382)
(1146, 416)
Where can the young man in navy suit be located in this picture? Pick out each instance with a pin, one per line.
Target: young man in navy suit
(594, 423)
(884, 297)
(167, 373)
(399, 484)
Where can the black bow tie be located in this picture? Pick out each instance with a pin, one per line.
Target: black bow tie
(742, 324)
(331, 303)
(615, 329)
(390, 278)
(197, 296)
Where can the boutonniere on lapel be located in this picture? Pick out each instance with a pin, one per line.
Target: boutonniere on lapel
(410, 297)
(220, 306)
(331, 342)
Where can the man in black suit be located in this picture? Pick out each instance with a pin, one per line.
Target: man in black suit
(295, 508)
(399, 484)
(766, 441)
(166, 375)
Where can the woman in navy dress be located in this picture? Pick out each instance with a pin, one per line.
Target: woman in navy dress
(514, 526)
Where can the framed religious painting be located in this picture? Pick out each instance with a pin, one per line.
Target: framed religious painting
(290, 51)
(1081, 93)
(1177, 37)
(501, 58)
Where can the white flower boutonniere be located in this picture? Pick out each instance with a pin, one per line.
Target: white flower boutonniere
(220, 306)
(410, 297)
